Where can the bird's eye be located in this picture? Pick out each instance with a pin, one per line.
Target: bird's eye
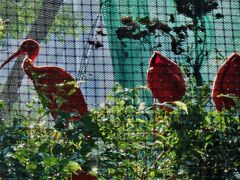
(24, 45)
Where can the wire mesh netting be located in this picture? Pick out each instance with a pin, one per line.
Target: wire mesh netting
(106, 46)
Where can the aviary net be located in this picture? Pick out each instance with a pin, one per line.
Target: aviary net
(157, 81)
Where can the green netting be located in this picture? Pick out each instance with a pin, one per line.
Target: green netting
(130, 57)
(103, 42)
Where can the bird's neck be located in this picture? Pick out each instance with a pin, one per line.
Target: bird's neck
(28, 66)
(33, 54)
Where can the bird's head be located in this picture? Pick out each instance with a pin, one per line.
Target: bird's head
(28, 47)
(157, 59)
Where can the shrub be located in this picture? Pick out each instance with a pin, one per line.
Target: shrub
(125, 139)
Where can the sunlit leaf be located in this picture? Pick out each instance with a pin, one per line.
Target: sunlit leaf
(50, 161)
(73, 166)
(181, 105)
(2, 104)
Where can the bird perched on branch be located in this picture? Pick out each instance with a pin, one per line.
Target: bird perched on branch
(57, 89)
(227, 83)
(165, 79)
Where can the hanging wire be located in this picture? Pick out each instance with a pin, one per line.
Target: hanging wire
(88, 47)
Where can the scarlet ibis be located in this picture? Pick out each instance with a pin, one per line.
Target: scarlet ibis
(165, 79)
(56, 87)
(227, 81)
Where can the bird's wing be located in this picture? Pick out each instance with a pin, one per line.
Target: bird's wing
(165, 84)
(52, 73)
(60, 88)
(230, 80)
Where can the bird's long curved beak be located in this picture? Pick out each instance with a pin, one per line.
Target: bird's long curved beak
(13, 56)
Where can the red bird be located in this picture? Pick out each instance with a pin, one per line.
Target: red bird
(165, 79)
(227, 81)
(83, 176)
(57, 88)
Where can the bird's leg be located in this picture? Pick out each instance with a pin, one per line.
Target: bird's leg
(154, 104)
(154, 115)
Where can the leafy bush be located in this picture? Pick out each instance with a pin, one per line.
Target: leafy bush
(124, 139)
(32, 149)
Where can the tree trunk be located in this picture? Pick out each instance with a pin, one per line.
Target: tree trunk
(197, 74)
(38, 31)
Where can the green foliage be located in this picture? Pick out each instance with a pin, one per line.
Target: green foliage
(19, 16)
(208, 145)
(135, 138)
(67, 22)
(2, 104)
(148, 143)
(32, 149)
(125, 139)
(1, 28)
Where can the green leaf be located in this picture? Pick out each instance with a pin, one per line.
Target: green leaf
(73, 166)
(44, 100)
(59, 100)
(181, 105)
(50, 161)
(31, 166)
(71, 91)
(1, 25)
(117, 88)
(44, 148)
(2, 104)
